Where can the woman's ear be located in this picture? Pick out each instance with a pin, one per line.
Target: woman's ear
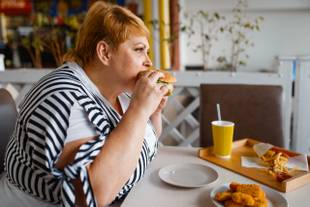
(103, 52)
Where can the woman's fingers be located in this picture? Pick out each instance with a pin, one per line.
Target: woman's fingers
(163, 102)
(163, 88)
(154, 76)
(148, 92)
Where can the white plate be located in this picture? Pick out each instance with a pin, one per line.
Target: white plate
(188, 175)
(275, 199)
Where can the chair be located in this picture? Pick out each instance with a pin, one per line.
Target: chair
(8, 114)
(256, 111)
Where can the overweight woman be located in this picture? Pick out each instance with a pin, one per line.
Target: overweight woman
(87, 131)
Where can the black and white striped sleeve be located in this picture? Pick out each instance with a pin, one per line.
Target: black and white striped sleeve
(47, 127)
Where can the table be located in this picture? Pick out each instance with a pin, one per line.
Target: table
(152, 192)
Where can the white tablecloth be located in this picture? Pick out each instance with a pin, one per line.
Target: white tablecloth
(152, 192)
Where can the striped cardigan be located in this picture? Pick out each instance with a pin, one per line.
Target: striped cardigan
(40, 134)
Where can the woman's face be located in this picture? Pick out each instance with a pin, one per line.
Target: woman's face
(129, 59)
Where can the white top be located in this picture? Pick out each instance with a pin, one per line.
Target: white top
(80, 126)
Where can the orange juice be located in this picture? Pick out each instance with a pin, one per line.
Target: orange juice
(223, 132)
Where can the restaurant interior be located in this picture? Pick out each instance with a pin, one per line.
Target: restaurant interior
(245, 62)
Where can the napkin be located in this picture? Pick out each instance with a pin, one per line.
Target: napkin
(299, 162)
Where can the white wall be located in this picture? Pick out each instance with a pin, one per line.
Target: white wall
(284, 32)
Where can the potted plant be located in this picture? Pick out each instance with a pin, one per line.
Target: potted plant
(209, 27)
(212, 25)
(238, 29)
(52, 34)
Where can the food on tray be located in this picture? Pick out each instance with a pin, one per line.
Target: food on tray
(242, 195)
(276, 161)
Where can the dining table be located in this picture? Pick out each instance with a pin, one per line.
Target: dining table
(152, 191)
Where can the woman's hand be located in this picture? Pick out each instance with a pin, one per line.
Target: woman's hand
(161, 106)
(148, 95)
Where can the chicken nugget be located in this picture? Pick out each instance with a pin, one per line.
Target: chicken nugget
(222, 196)
(231, 203)
(252, 189)
(243, 198)
(233, 186)
(261, 203)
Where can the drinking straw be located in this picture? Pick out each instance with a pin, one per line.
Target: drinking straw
(218, 112)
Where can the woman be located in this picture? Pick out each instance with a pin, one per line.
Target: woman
(87, 131)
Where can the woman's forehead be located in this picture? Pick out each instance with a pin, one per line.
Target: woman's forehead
(135, 40)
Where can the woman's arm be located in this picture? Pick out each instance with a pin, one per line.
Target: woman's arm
(66, 157)
(115, 163)
(119, 156)
(156, 117)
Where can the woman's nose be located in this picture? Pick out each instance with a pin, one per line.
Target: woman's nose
(148, 61)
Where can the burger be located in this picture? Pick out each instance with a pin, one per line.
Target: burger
(168, 79)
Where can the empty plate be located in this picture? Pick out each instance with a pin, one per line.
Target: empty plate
(188, 175)
(274, 198)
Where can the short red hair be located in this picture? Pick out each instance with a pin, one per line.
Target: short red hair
(111, 23)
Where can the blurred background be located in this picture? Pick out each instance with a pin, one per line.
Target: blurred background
(36, 33)
(186, 34)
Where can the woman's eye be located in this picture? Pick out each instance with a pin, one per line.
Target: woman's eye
(139, 49)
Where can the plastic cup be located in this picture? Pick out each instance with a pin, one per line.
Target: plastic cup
(222, 133)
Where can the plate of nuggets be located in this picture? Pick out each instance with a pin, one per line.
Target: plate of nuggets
(246, 195)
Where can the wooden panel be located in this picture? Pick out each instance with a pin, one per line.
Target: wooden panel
(244, 148)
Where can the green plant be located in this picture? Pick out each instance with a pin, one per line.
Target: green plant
(53, 34)
(34, 46)
(209, 28)
(238, 29)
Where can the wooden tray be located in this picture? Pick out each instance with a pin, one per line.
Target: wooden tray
(244, 147)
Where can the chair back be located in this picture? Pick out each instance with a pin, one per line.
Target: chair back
(256, 111)
(8, 114)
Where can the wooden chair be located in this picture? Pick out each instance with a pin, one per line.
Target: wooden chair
(8, 114)
(256, 111)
